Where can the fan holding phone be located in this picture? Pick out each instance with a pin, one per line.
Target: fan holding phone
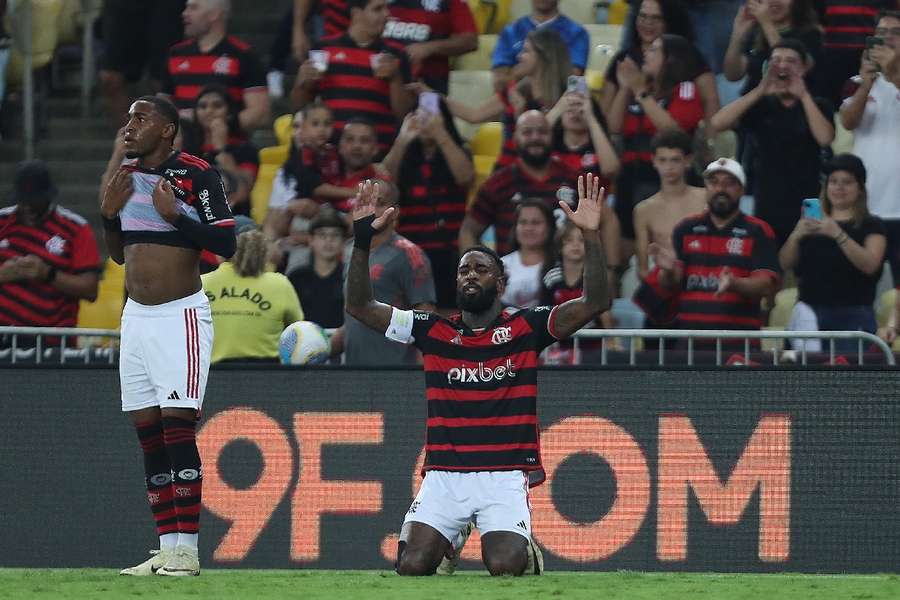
(837, 252)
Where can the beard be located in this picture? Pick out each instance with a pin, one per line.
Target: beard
(535, 160)
(722, 205)
(477, 303)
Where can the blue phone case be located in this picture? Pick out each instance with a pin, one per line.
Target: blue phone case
(812, 209)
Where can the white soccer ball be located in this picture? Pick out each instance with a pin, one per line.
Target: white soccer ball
(303, 343)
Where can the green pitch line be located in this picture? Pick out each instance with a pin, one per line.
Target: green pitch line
(84, 584)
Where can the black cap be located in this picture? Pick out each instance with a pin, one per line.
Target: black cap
(32, 182)
(847, 162)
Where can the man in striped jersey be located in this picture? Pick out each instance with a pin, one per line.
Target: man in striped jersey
(482, 437)
(160, 209)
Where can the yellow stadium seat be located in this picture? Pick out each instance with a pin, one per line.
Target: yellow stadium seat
(618, 12)
(479, 60)
(274, 155)
(594, 80)
(45, 15)
(780, 315)
(490, 15)
(886, 303)
(843, 138)
(262, 189)
(484, 166)
(488, 140)
(106, 311)
(282, 128)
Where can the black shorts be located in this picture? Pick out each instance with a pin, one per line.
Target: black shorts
(138, 35)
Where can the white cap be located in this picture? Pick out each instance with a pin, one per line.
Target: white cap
(727, 165)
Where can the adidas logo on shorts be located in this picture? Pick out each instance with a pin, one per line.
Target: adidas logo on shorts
(521, 525)
(173, 396)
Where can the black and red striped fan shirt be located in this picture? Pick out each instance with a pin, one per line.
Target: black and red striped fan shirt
(63, 240)
(432, 205)
(336, 16)
(848, 22)
(231, 63)
(350, 89)
(418, 21)
(481, 387)
(497, 198)
(746, 246)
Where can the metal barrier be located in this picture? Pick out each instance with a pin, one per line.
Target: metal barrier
(84, 354)
(691, 335)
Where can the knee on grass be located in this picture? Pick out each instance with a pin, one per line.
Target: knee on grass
(416, 563)
(506, 561)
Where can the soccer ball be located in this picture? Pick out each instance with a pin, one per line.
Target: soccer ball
(303, 343)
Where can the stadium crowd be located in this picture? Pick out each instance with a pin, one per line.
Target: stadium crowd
(701, 226)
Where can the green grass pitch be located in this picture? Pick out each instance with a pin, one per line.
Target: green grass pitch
(84, 584)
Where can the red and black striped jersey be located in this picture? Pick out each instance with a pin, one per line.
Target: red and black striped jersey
(848, 22)
(684, 106)
(350, 89)
(580, 160)
(417, 21)
(495, 203)
(746, 247)
(231, 63)
(199, 193)
(336, 16)
(63, 240)
(432, 204)
(481, 388)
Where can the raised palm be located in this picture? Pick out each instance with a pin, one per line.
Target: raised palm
(364, 204)
(589, 212)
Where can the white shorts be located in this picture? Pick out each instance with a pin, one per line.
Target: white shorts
(164, 353)
(494, 500)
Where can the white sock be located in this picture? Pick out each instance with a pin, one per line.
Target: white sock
(188, 539)
(168, 541)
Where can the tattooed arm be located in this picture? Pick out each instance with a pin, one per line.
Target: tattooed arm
(360, 301)
(575, 314)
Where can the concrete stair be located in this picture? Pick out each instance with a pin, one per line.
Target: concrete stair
(77, 149)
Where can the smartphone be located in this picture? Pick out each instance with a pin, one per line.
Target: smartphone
(812, 209)
(577, 84)
(430, 103)
(872, 41)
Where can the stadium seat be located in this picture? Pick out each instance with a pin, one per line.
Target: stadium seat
(106, 311)
(780, 315)
(282, 129)
(472, 88)
(490, 15)
(45, 16)
(843, 138)
(479, 60)
(601, 55)
(488, 140)
(274, 155)
(594, 80)
(262, 189)
(519, 8)
(484, 166)
(886, 303)
(580, 11)
(618, 12)
(610, 35)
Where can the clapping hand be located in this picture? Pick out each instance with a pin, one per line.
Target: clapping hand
(663, 257)
(726, 280)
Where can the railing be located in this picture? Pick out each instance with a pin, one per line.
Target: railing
(692, 335)
(66, 354)
(631, 335)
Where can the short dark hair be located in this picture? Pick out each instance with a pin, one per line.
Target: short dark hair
(672, 138)
(327, 218)
(498, 262)
(887, 14)
(165, 108)
(795, 45)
